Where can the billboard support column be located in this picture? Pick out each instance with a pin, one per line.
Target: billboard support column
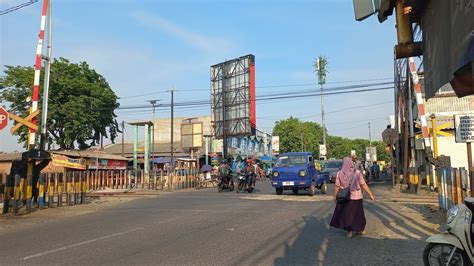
(146, 155)
(135, 147)
(224, 111)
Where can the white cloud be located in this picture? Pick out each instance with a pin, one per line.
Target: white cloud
(208, 44)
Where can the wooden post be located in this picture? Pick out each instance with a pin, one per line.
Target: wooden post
(101, 182)
(469, 166)
(455, 185)
(459, 185)
(435, 149)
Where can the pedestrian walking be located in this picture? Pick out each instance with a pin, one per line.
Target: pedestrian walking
(349, 215)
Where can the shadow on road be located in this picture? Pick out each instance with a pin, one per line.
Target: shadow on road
(311, 247)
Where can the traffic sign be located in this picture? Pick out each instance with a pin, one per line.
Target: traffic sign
(389, 136)
(464, 128)
(322, 150)
(3, 118)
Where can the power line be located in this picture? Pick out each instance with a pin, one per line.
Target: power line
(336, 111)
(263, 87)
(266, 98)
(294, 92)
(17, 7)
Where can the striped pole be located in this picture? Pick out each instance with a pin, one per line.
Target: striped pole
(421, 104)
(39, 54)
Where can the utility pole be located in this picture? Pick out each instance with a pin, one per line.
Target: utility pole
(206, 137)
(172, 130)
(47, 72)
(370, 137)
(123, 133)
(321, 65)
(302, 142)
(153, 103)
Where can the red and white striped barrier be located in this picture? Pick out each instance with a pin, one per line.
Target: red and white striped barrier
(421, 105)
(39, 54)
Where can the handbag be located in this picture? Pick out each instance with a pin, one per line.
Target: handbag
(344, 195)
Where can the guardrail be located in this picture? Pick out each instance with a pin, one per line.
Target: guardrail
(57, 189)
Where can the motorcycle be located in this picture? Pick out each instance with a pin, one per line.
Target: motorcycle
(244, 183)
(454, 245)
(225, 183)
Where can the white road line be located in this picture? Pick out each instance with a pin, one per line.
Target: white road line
(80, 244)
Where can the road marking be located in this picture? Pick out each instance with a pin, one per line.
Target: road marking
(81, 243)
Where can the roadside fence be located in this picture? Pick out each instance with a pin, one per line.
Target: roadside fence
(57, 189)
(454, 184)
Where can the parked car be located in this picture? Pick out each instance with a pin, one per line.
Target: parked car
(295, 171)
(331, 168)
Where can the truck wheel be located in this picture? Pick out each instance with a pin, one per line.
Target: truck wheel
(279, 191)
(324, 188)
(295, 191)
(312, 190)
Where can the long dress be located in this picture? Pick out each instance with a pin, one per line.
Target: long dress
(350, 215)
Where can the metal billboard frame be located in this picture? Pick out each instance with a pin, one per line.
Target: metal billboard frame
(233, 98)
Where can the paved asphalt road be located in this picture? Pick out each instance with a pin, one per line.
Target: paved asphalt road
(210, 228)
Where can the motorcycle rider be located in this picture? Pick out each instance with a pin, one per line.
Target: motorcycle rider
(375, 169)
(225, 173)
(251, 172)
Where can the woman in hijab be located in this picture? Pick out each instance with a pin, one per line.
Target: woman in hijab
(350, 215)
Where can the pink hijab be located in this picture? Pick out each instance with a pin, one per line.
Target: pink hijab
(346, 172)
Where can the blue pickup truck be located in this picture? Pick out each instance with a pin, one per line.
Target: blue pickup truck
(296, 171)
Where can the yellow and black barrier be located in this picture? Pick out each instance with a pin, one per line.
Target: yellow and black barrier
(51, 186)
(68, 188)
(84, 188)
(7, 194)
(18, 184)
(60, 189)
(40, 196)
(29, 192)
(77, 177)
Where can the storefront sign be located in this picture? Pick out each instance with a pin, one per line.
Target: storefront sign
(105, 164)
(64, 161)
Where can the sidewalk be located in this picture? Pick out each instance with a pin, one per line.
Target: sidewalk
(416, 213)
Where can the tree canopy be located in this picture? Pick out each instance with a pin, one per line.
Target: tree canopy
(81, 103)
(296, 135)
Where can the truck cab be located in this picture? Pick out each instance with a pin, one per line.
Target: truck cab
(296, 171)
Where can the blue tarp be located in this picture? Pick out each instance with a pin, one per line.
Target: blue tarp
(267, 158)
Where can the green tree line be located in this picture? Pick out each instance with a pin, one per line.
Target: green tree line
(296, 135)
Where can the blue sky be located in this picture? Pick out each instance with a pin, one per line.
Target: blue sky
(147, 46)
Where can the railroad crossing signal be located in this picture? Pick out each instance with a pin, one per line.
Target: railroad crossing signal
(24, 121)
(3, 118)
(439, 130)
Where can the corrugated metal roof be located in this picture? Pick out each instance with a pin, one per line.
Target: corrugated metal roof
(449, 104)
(6, 157)
(161, 149)
(70, 153)
(90, 154)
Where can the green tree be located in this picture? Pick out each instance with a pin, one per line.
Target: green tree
(81, 103)
(296, 135)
